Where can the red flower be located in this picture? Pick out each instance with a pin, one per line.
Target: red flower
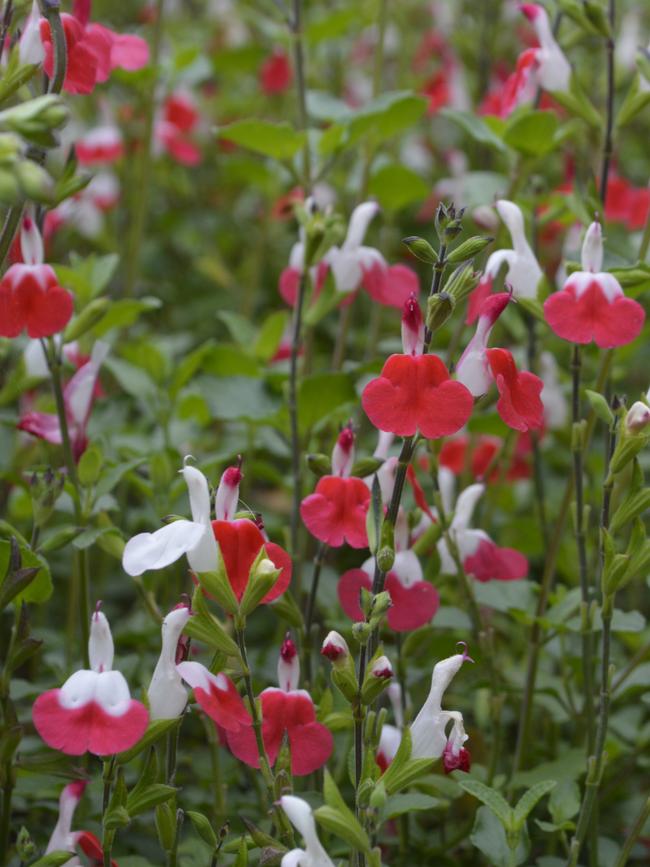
(519, 405)
(452, 760)
(490, 562)
(180, 117)
(626, 203)
(459, 455)
(103, 144)
(415, 393)
(217, 695)
(276, 74)
(414, 602)
(592, 306)
(293, 713)
(336, 512)
(30, 295)
(240, 542)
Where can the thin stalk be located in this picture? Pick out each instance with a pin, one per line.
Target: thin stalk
(107, 835)
(140, 196)
(546, 584)
(345, 318)
(172, 752)
(296, 464)
(608, 144)
(319, 559)
(634, 834)
(585, 589)
(359, 719)
(172, 855)
(438, 270)
(645, 240)
(12, 221)
(301, 86)
(8, 772)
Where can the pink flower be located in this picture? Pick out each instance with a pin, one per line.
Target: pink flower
(173, 132)
(78, 396)
(519, 405)
(626, 203)
(217, 695)
(30, 296)
(286, 711)
(100, 145)
(591, 305)
(93, 711)
(336, 512)
(276, 73)
(93, 50)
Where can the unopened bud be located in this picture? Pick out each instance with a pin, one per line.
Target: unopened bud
(377, 677)
(344, 676)
(380, 605)
(468, 249)
(335, 649)
(25, 847)
(421, 249)
(462, 283)
(386, 558)
(638, 417)
(319, 464)
(361, 632)
(34, 181)
(439, 308)
(261, 580)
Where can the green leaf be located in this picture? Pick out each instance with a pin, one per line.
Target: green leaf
(600, 406)
(270, 335)
(396, 186)
(631, 508)
(343, 825)
(386, 116)
(125, 312)
(322, 394)
(411, 802)
(278, 140)
(239, 398)
(564, 802)
(156, 730)
(87, 276)
(491, 798)
(474, 126)
(205, 627)
(53, 859)
(532, 132)
(489, 837)
(40, 588)
(529, 799)
(404, 770)
(507, 596)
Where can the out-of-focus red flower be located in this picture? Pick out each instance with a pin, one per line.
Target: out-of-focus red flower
(276, 73)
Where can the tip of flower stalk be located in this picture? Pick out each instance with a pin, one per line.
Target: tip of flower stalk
(288, 650)
(466, 656)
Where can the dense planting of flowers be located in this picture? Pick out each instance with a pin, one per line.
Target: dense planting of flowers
(325, 421)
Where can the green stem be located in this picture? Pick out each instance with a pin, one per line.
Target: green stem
(438, 270)
(301, 86)
(546, 584)
(608, 144)
(172, 856)
(645, 240)
(12, 221)
(578, 446)
(319, 560)
(358, 712)
(50, 11)
(345, 318)
(296, 464)
(140, 196)
(634, 834)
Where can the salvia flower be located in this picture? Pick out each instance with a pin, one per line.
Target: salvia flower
(480, 557)
(100, 146)
(301, 817)
(78, 397)
(552, 71)
(217, 696)
(31, 298)
(289, 712)
(175, 127)
(276, 73)
(93, 711)
(336, 512)
(523, 271)
(167, 695)
(520, 404)
(591, 305)
(414, 392)
(429, 728)
(637, 418)
(64, 839)
(472, 368)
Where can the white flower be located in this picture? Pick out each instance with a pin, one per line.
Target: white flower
(553, 71)
(302, 818)
(194, 538)
(524, 272)
(465, 538)
(167, 695)
(428, 734)
(349, 261)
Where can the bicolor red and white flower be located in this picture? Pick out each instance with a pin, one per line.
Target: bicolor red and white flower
(100, 145)
(167, 695)
(592, 306)
(78, 398)
(93, 711)
(217, 696)
(286, 711)
(64, 839)
(31, 298)
(429, 729)
(473, 369)
(479, 555)
(301, 816)
(414, 392)
(414, 600)
(336, 512)
(237, 540)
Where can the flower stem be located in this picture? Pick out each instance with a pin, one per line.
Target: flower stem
(296, 464)
(301, 85)
(438, 270)
(358, 712)
(633, 836)
(546, 583)
(319, 559)
(608, 144)
(577, 448)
